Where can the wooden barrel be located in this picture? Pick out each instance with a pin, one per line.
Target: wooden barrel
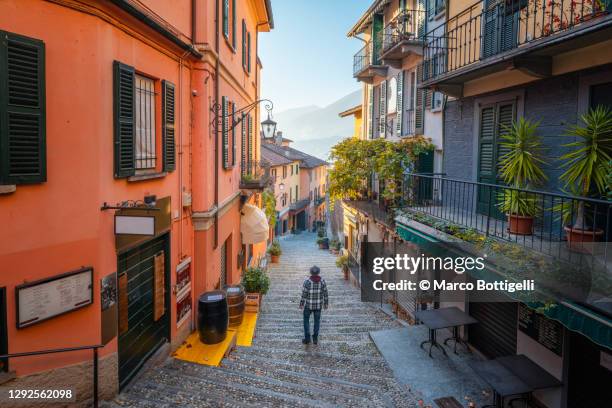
(235, 304)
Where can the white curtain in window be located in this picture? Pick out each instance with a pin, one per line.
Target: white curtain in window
(145, 123)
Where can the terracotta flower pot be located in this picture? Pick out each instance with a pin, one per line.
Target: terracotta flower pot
(274, 258)
(345, 270)
(520, 224)
(579, 240)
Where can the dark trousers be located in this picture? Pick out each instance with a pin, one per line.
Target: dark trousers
(317, 320)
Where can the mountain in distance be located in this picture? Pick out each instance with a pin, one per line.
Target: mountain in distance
(315, 130)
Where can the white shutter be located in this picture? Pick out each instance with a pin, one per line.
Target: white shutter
(371, 112)
(383, 108)
(400, 102)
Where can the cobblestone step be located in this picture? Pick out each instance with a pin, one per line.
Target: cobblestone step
(344, 370)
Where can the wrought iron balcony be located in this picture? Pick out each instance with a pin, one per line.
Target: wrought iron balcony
(299, 205)
(366, 62)
(542, 225)
(403, 36)
(494, 35)
(255, 175)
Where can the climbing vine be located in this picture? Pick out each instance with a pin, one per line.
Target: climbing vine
(269, 206)
(356, 160)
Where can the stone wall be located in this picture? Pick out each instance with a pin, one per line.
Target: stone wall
(77, 377)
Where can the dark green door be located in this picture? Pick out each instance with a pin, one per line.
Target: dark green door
(495, 333)
(493, 119)
(301, 221)
(425, 165)
(3, 330)
(143, 335)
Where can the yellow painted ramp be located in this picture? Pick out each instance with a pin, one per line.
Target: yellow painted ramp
(193, 350)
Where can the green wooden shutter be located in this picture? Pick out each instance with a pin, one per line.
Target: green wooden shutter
(233, 134)
(123, 103)
(377, 30)
(244, 45)
(243, 143)
(400, 102)
(382, 114)
(428, 97)
(224, 131)
(505, 117)
(234, 24)
(250, 137)
(168, 120)
(249, 52)
(22, 110)
(226, 18)
(421, 20)
(419, 105)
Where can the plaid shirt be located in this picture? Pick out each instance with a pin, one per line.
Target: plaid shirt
(314, 294)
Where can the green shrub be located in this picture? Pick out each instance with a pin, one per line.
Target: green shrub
(342, 261)
(275, 248)
(322, 240)
(256, 280)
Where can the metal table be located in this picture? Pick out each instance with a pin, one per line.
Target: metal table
(459, 318)
(448, 317)
(434, 321)
(512, 376)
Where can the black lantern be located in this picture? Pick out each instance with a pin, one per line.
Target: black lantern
(268, 127)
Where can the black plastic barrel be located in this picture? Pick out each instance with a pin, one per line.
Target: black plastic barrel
(212, 317)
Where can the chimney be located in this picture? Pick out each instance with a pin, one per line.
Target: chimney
(279, 138)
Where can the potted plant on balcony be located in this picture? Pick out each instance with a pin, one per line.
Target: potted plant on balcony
(586, 172)
(256, 283)
(521, 168)
(275, 251)
(334, 246)
(343, 263)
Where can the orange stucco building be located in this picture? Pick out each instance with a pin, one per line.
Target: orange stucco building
(121, 161)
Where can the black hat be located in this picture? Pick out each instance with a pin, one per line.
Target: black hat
(315, 270)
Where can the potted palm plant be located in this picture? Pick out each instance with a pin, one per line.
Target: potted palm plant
(521, 168)
(256, 284)
(275, 251)
(586, 172)
(343, 263)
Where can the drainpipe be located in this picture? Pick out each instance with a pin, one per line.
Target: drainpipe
(217, 99)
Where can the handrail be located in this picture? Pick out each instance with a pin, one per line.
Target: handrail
(94, 347)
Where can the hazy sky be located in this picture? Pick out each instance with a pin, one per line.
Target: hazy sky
(307, 59)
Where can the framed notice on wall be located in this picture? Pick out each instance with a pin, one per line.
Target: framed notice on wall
(47, 298)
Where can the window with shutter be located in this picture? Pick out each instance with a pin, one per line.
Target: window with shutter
(168, 141)
(249, 52)
(224, 131)
(124, 120)
(234, 24)
(250, 139)
(225, 18)
(243, 144)
(371, 112)
(233, 141)
(383, 108)
(400, 102)
(428, 96)
(419, 104)
(22, 102)
(493, 118)
(244, 45)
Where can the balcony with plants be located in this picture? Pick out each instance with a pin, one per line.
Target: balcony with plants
(366, 62)
(402, 37)
(562, 236)
(495, 35)
(255, 175)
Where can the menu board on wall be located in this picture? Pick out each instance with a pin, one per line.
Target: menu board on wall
(183, 292)
(545, 331)
(45, 299)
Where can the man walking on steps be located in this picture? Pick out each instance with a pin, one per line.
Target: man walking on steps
(314, 298)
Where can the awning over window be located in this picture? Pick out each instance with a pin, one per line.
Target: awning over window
(253, 225)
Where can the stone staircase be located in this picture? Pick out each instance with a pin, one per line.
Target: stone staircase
(344, 370)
